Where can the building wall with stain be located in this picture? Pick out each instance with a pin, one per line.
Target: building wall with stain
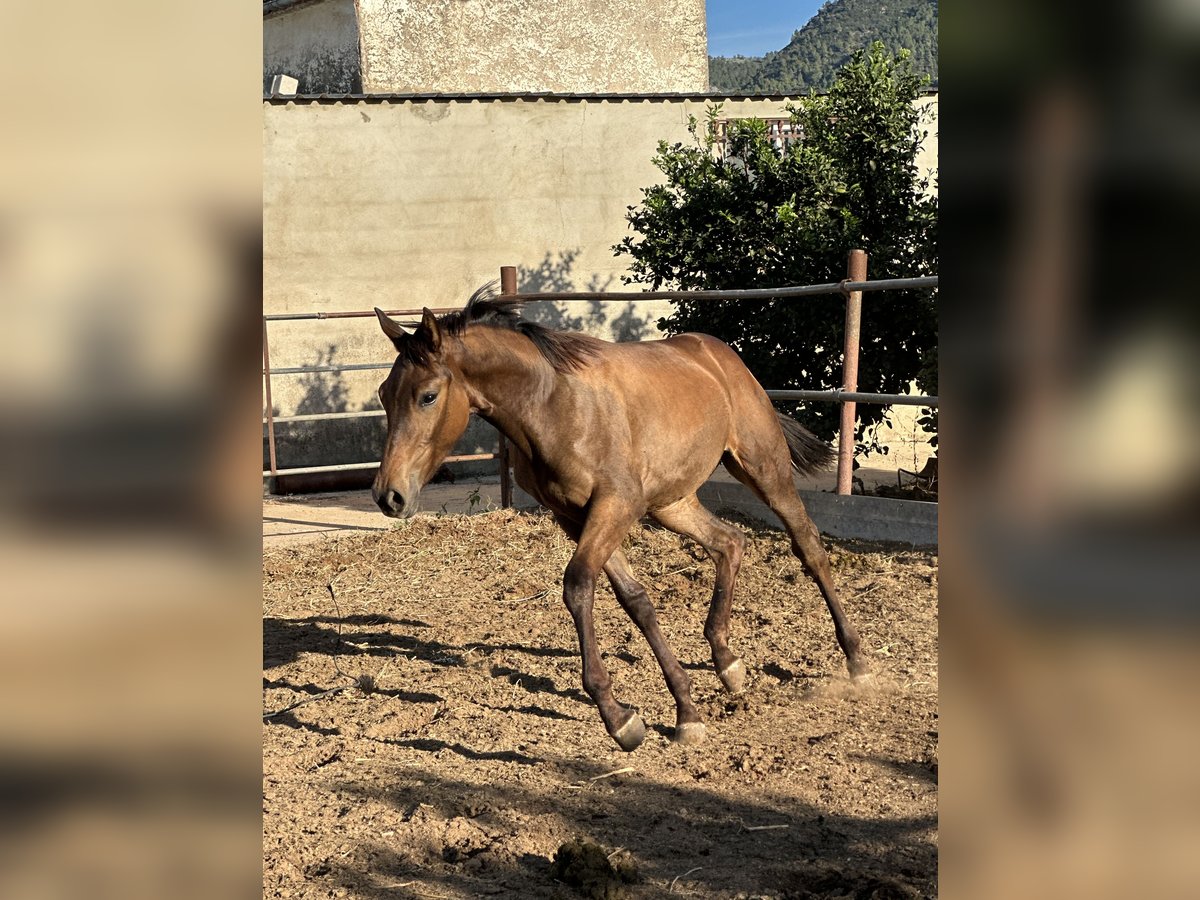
(625, 46)
(315, 43)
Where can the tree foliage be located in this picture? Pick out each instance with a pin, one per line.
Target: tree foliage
(750, 215)
(817, 51)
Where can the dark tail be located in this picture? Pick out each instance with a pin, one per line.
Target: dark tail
(809, 453)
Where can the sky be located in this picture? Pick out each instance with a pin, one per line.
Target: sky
(752, 27)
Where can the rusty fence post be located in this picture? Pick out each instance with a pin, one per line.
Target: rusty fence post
(270, 406)
(856, 270)
(508, 285)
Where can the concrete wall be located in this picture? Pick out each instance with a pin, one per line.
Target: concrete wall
(416, 203)
(316, 44)
(533, 46)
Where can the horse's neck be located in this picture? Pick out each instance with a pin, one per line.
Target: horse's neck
(509, 383)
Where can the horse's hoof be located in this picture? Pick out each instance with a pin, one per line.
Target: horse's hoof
(860, 672)
(689, 734)
(630, 735)
(733, 676)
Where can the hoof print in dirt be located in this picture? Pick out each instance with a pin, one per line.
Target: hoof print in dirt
(586, 867)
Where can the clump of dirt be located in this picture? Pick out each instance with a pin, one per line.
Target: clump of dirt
(431, 737)
(588, 867)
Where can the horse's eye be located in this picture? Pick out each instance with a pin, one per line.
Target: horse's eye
(428, 397)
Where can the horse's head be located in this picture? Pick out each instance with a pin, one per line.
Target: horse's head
(427, 411)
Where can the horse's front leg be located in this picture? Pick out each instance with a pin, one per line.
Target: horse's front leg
(633, 598)
(607, 522)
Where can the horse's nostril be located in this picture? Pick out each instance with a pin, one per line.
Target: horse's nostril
(390, 502)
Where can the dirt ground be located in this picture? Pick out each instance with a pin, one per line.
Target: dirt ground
(457, 753)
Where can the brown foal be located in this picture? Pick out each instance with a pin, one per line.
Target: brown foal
(604, 434)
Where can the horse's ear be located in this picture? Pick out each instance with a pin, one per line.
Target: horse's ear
(430, 326)
(391, 328)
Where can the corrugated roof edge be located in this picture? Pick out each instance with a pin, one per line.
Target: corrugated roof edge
(557, 97)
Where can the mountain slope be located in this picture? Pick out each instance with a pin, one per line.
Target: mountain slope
(816, 52)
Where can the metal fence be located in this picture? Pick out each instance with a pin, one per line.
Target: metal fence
(852, 288)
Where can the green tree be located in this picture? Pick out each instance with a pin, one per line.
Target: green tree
(747, 214)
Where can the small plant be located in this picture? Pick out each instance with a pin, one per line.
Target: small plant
(473, 499)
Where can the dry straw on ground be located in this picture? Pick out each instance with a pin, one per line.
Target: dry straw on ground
(462, 754)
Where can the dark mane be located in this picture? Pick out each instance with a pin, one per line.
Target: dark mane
(566, 352)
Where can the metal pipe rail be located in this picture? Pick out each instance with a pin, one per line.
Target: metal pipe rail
(817, 396)
(837, 396)
(352, 467)
(353, 314)
(348, 367)
(840, 396)
(317, 417)
(925, 282)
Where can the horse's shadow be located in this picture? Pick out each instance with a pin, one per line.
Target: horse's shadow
(284, 640)
(432, 745)
(288, 720)
(536, 684)
(528, 651)
(397, 693)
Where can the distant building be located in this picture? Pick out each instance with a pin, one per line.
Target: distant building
(486, 46)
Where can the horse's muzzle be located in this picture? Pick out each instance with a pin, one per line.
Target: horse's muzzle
(393, 504)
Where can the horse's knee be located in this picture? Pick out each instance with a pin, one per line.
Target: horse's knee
(727, 550)
(737, 548)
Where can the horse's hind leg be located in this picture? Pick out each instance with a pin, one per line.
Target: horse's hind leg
(771, 480)
(634, 600)
(725, 545)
